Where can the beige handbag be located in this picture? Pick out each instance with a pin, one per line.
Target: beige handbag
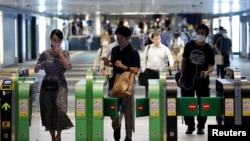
(218, 59)
(123, 84)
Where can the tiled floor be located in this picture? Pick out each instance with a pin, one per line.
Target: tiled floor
(141, 131)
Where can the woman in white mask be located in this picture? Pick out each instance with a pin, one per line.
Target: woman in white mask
(197, 64)
(98, 67)
(54, 62)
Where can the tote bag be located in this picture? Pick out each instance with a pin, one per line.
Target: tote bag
(123, 84)
(218, 59)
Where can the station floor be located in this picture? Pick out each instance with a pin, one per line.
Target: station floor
(81, 61)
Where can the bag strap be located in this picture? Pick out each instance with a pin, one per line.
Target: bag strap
(100, 53)
(147, 53)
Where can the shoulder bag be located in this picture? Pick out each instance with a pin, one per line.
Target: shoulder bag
(50, 84)
(142, 77)
(123, 84)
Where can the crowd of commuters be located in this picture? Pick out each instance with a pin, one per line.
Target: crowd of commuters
(162, 50)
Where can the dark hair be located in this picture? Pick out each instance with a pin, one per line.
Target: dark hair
(154, 34)
(221, 28)
(57, 32)
(176, 33)
(202, 26)
(124, 31)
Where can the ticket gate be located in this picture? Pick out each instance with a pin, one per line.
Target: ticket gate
(6, 111)
(164, 106)
(91, 107)
(236, 98)
(18, 99)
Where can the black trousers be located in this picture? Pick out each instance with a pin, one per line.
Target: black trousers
(201, 89)
(151, 74)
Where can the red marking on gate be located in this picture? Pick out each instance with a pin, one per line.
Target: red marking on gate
(140, 107)
(192, 106)
(206, 106)
(112, 107)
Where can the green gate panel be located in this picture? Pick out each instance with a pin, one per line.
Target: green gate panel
(81, 130)
(97, 133)
(187, 106)
(80, 111)
(211, 106)
(156, 122)
(142, 108)
(155, 131)
(22, 112)
(110, 107)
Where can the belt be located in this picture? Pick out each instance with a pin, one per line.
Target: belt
(152, 70)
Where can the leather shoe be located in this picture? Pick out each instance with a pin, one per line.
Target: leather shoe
(127, 139)
(117, 134)
(200, 132)
(190, 130)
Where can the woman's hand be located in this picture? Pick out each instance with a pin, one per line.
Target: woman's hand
(37, 68)
(57, 50)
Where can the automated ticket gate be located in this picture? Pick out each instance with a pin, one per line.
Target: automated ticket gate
(91, 107)
(163, 106)
(17, 116)
(235, 91)
(6, 111)
(153, 106)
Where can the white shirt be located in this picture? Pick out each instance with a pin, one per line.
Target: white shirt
(158, 57)
(177, 43)
(98, 63)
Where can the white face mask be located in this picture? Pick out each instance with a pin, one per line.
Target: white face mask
(193, 34)
(200, 38)
(104, 43)
(225, 35)
(55, 44)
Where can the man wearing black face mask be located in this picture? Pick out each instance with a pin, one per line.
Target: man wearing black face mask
(197, 64)
(123, 58)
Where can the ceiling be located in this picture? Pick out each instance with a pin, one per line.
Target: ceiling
(81, 7)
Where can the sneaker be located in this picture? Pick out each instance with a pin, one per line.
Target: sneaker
(190, 130)
(200, 132)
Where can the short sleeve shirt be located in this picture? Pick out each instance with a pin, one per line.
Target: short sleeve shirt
(198, 58)
(129, 57)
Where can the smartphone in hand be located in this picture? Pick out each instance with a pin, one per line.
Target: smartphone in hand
(42, 64)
